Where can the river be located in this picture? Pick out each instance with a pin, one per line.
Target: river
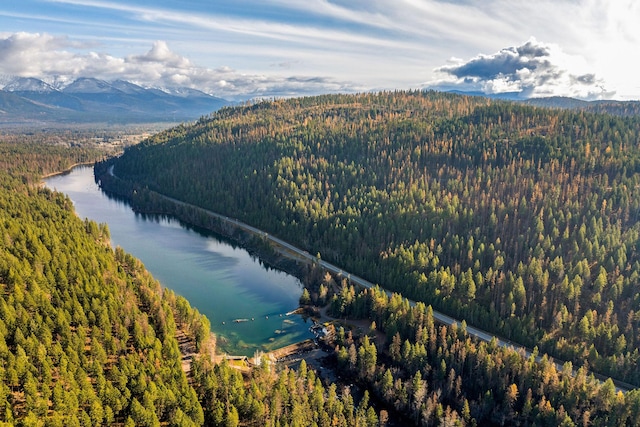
(223, 281)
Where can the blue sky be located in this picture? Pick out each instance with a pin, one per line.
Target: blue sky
(239, 49)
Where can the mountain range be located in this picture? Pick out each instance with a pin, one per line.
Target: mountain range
(25, 100)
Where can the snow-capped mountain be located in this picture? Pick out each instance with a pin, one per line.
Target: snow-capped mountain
(28, 84)
(25, 99)
(86, 85)
(185, 92)
(130, 88)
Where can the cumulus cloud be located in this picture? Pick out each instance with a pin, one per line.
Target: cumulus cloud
(26, 53)
(58, 60)
(533, 69)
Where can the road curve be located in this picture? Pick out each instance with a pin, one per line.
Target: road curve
(440, 317)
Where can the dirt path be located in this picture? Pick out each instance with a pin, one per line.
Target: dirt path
(187, 350)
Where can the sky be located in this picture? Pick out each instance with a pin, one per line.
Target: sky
(241, 49)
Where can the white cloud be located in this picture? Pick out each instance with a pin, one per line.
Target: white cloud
(379, 44)
(533, 69)
(20, 53)
(58, 59)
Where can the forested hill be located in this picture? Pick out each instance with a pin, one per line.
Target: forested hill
(86, 335)
(521, 220)
(89, 338)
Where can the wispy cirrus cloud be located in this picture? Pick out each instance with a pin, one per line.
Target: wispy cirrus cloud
(245, 39)
(307, 33)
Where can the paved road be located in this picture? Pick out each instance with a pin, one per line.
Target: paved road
(440, 317)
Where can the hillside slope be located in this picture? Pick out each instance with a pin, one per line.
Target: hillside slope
(86, 335)
(520, 220)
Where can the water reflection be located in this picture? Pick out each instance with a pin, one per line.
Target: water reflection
(220, 279)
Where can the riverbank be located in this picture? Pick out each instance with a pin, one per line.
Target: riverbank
(213, 272)
(186, 337)
(68, 170)
(258, 243)
(269, 249)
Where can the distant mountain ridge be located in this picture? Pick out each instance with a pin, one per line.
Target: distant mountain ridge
(614, 107)
(26, 100)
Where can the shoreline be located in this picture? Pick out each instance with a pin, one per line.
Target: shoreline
(279, 258)
(268, 248)
(68, 170)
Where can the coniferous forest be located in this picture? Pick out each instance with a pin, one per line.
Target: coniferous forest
(520, 220)
(88, 337)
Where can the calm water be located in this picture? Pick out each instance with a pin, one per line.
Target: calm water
(223, 282)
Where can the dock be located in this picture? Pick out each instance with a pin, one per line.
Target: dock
(280, 353)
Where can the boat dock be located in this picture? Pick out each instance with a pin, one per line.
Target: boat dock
(283, 352)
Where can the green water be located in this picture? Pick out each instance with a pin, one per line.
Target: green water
(221, 280)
